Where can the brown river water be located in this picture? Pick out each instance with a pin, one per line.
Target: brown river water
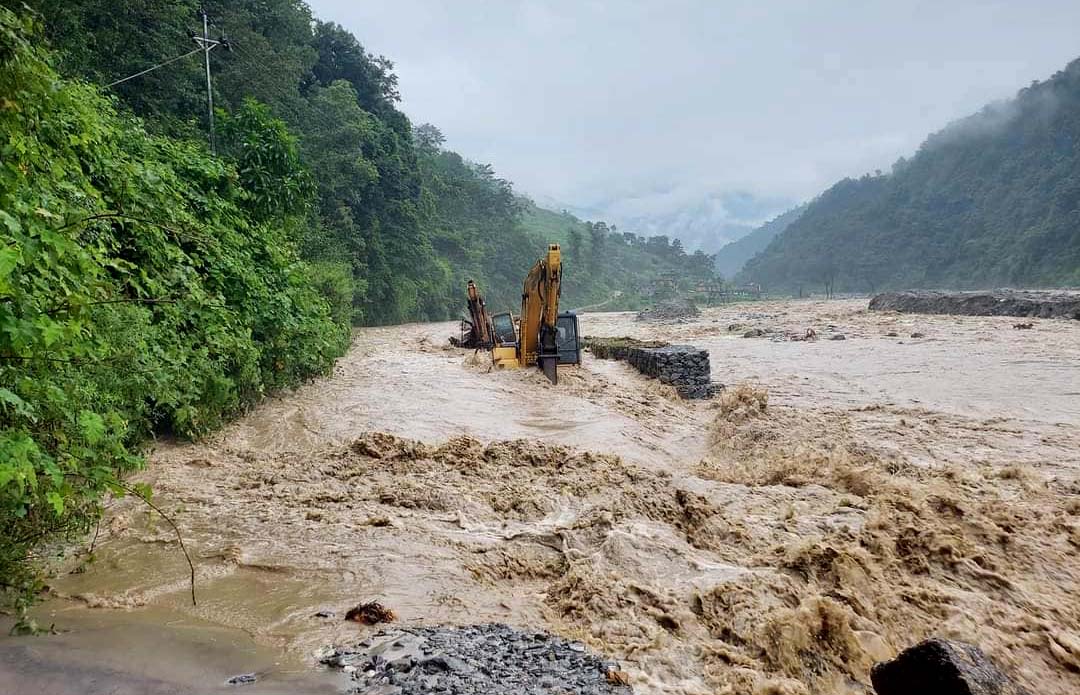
(841, 500)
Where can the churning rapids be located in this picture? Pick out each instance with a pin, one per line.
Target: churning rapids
(839, 501)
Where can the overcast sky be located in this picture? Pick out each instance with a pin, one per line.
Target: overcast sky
(653, 104)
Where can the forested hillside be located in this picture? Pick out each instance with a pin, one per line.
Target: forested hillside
(611, 268)
(991, 200)
(731, 258)
(410, 220)
(155, 282)
(145, 286)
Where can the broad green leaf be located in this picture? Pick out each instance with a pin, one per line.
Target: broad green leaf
(53, 498)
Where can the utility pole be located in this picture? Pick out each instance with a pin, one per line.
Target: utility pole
(208, 44)
(209, 88)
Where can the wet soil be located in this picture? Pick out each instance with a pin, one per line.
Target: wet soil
(842, 500)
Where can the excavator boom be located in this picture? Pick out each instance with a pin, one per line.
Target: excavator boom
(540, 312)
(481, 322)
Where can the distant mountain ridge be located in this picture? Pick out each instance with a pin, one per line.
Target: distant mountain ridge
(702, 220)
(731, 258)
(992, 199)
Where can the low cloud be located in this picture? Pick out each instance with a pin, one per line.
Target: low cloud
(643, 109)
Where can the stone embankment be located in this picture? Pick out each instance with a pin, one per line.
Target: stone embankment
(683, 366)
(1036, 303)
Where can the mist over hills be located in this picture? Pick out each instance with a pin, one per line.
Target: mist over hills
(992, 199)
(702, 220)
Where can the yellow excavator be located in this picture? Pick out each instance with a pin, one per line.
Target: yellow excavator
(541, 336)
(475, 330)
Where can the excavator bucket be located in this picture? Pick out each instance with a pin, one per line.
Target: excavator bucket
(549, 354)
(549, 364)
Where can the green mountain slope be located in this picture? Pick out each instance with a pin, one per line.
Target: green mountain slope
(731, 258)
(993, 199)
(610, 270)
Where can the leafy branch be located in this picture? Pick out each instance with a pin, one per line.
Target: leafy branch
(145, 498)
(176, 529)
(131, 218)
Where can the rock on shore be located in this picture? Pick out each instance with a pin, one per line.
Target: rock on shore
(1005, 302)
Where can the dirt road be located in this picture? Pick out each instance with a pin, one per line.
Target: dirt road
(843, 499)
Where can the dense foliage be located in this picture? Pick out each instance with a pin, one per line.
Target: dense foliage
(144, 286)
(993, 199)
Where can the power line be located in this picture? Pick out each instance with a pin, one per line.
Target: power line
(205, 45)
(152, 68)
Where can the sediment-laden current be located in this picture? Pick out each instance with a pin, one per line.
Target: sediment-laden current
(840, 500)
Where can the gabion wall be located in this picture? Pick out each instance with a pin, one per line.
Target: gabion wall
(683, 366)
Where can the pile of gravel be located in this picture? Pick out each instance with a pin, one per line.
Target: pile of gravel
(474, 660)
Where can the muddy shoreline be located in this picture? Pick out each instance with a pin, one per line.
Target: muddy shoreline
(842, 500)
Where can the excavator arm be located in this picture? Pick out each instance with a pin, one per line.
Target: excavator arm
(480, 335)
(540, 313)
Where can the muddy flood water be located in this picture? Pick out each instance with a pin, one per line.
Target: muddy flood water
(839, 501)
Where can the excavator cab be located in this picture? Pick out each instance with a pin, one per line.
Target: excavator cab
(505, 351)
(566, 340)
(504, 330)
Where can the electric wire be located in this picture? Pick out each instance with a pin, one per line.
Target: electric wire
(155, 67)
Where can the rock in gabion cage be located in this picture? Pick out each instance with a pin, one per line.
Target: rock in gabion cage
(474, 660)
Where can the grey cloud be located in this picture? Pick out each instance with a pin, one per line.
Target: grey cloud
(637, 108)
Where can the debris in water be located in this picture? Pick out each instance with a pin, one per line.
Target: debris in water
(1024, 326)
(242, 679)
(371, 613)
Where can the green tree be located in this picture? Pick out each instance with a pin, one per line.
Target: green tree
(143, 288)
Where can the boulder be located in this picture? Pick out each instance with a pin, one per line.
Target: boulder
(670, 310)
(942, 667)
